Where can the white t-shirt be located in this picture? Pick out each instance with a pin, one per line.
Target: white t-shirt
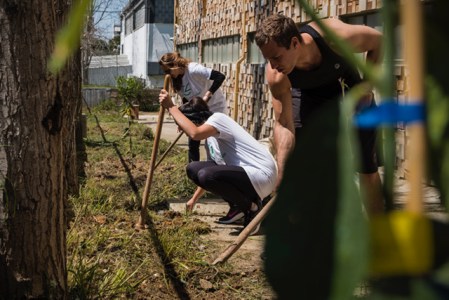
(213, 151)
(196, 82)
(238, 148)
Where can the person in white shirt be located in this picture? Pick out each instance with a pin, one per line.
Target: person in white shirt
(191, 79)
(241, 170)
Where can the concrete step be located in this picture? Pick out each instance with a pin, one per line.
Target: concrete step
(206, 206)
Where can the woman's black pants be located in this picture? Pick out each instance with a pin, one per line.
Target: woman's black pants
(229, 182)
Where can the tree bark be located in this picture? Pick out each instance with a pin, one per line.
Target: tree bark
(37, 150)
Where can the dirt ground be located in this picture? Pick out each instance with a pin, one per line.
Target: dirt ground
(248, 257)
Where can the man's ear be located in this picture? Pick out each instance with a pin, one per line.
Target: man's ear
(295, 42)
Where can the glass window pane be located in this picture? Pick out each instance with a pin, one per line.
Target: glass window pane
(236, 50)
(219, 51)
(373, 20)
(356, 20)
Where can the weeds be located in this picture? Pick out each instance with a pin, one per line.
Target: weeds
(108, 258)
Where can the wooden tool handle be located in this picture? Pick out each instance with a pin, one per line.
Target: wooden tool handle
(146, 192)
(413, 45)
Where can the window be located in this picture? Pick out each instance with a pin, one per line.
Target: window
(135, 20)
(139, 17)
(221, 50)
(189, 50)
(128, 24)
(254, 54)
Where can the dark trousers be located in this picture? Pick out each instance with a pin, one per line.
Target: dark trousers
(194, 150)
(229, 182)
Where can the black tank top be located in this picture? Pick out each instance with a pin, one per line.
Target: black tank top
(322, 83)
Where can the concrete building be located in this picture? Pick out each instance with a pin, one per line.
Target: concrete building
(147, 33)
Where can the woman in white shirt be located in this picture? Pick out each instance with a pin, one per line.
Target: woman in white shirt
(243, 173)
(190, 80)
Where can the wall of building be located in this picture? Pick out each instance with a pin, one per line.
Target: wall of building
(161, 40)
(198, 21)
(160, 43)
(135, 46)
(147, 33)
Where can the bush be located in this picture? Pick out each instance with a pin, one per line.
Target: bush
(150, 100)
(132, 90)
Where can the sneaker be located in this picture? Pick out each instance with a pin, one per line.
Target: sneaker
(233, 215)
(250, 215)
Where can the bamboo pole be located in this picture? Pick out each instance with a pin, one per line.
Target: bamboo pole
(143, 210)
(413, 45)
(232, 248)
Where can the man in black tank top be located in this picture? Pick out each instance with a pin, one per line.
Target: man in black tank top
(303, 60)
(306, 78)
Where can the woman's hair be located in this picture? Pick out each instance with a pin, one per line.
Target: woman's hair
(279, 29)
(174, 59)
(196, 110)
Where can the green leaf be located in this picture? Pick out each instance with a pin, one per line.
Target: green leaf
(438, 132)
(351, 237)
(438, 112)
(68, 38)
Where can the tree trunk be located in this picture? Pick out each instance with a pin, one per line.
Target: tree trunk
(37, 150)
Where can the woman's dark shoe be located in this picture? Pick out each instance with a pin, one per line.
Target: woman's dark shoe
(233, 215)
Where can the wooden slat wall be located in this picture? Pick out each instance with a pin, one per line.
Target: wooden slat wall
(223, 18)
(401, 132)
(187, 29)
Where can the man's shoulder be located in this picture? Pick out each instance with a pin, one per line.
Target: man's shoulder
(331, 23)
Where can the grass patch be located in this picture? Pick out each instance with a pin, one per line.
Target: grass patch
(108, 258)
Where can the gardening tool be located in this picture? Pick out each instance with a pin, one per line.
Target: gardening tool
(232, 248)
(168, 149)
(143, 210)
(406, 243)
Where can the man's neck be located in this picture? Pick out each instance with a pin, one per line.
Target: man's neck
(310, 55)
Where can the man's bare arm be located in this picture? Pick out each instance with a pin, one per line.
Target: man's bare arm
(362, 38)
(284, 131)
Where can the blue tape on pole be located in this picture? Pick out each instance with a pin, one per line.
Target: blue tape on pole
(390, 113)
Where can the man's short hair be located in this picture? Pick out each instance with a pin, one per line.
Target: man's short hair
(279, 29)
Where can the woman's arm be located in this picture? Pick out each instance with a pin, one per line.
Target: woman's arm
(218, 79)
(199, 192)
(194, 132)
